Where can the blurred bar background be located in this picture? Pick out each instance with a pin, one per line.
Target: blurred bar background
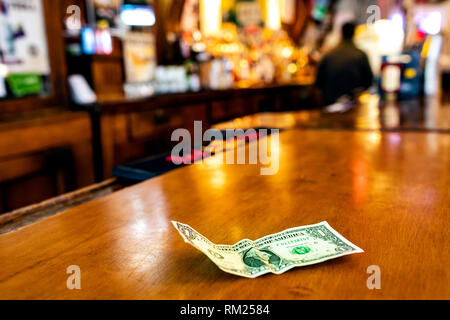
(90, 85)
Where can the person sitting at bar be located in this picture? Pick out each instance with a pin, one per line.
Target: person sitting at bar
(345, 71)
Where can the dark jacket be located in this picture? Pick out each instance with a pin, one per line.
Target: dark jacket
(343, 71)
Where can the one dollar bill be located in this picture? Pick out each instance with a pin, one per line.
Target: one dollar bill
(275, 253)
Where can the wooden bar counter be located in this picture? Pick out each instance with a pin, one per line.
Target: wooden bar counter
(386, 192)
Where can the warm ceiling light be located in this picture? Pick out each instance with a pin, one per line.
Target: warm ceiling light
(210, 17)
(273, 15)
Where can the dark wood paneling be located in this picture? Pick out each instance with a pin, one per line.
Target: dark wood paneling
(44, 157)
(40, 187)
(138, 129)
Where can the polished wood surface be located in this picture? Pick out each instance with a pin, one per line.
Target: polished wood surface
(430, 114)
(386, 192)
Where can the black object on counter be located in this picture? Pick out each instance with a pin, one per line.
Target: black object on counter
(153, 167)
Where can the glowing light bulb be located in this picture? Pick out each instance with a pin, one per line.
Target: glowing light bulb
(273, 15)
(431, 24)
(292, 68)
(210, 17)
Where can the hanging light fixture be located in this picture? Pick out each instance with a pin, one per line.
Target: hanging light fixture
(273, 15)
(210, 17)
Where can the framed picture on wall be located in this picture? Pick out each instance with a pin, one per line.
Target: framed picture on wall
(23, 48)
(32, 72)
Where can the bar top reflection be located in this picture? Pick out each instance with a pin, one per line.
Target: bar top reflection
(388, 192)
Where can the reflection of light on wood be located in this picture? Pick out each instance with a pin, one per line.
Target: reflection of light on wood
(391, 116)
(304, 116)
(217, 179)
(381, 183)
(275, 149)
(217, 161)
(269, 150)
(374, 138)
(210, 17)
(365, 98)
(284, 121)
(395, 139)
(140, 228)
(368, 114)
(360, 180)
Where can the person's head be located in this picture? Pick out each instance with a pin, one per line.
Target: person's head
(348, 31)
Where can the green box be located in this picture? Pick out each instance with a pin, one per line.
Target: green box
(24, 84)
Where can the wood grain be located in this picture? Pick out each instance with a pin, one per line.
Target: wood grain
(429, 115)
(386, 192)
